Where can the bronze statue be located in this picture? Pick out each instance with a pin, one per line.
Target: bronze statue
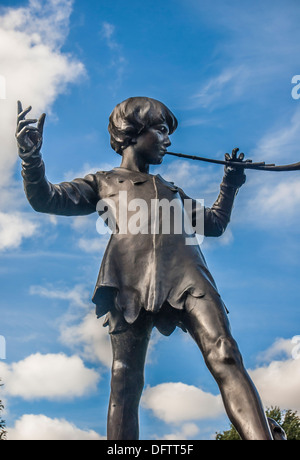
(150, 279)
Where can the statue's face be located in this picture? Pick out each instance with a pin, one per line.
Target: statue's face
(151, 144)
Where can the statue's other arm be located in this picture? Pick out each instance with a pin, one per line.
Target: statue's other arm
(217, 217)
(78, 197)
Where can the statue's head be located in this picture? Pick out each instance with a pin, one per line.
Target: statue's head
(133, 116)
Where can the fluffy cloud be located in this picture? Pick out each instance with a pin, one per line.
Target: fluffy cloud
(94, 245)
(187, 431)
(51, 376)
(278, 383)
(118, 61)
(77, 296)
(270, 202)
(246, 66)
(41, 428)
(274, 198)
(81, 331)
(13, 228)
(281, 349)
(281, 142)
(31, 38)
(89, 339)
(230, 81)
(278, 380)
(35, 71)
(178, 402)
(192, 178)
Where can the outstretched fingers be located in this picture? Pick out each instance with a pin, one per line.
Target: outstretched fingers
(233, 156)
(25, 131)
(24, 123)
(22, 113)
(234, 153)
(41, 121)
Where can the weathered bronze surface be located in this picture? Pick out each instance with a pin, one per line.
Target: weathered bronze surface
(149, 279)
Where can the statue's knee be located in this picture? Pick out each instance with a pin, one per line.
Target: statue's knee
(224, 355)
(125, 377)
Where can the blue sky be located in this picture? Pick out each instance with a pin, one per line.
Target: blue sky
(225, 70)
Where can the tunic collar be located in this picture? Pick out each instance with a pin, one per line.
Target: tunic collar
(134, 176)
(137, 177)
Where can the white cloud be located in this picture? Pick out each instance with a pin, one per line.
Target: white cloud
(281, 142)
(252, 59)
(280, 348)
(271, 201)
(118, 61)
(283, 200)
(177, 402)
(45, 21)
(278, 381)
(85, 335)
(94, 245)
(35, 71)
(214, 243)
(83, 224)
(108, 32)
(32, 427)
(78, 296)
(14, 228)
(191, 177)
(50, 376)
(88, 338)
(230, 83)
(31, 38)
(187, 431)
(87, 168)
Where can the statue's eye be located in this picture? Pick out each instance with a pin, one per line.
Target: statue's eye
(163, 129)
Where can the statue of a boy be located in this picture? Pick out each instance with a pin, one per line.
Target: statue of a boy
(149, 279)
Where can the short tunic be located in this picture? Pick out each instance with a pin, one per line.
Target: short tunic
(149, 268)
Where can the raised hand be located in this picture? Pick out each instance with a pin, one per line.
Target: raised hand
(234, 157)
(235, 173)
(28, 137)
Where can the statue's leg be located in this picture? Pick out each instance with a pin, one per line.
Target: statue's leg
(127, 378)
(206, 320)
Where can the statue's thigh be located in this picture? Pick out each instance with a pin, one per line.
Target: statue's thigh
(206, 320)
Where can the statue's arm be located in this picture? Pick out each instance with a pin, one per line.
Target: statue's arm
(218, 216)
(78, 197)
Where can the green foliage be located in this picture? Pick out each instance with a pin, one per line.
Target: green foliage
(287, 419)
(2, 422)
(291, 425)
(228, 435)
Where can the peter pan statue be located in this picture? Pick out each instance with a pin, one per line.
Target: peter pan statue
(149, 278)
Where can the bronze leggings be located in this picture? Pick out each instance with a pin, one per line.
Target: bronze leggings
(206, 321)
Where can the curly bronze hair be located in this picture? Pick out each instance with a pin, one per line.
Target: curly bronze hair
(132, 116)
